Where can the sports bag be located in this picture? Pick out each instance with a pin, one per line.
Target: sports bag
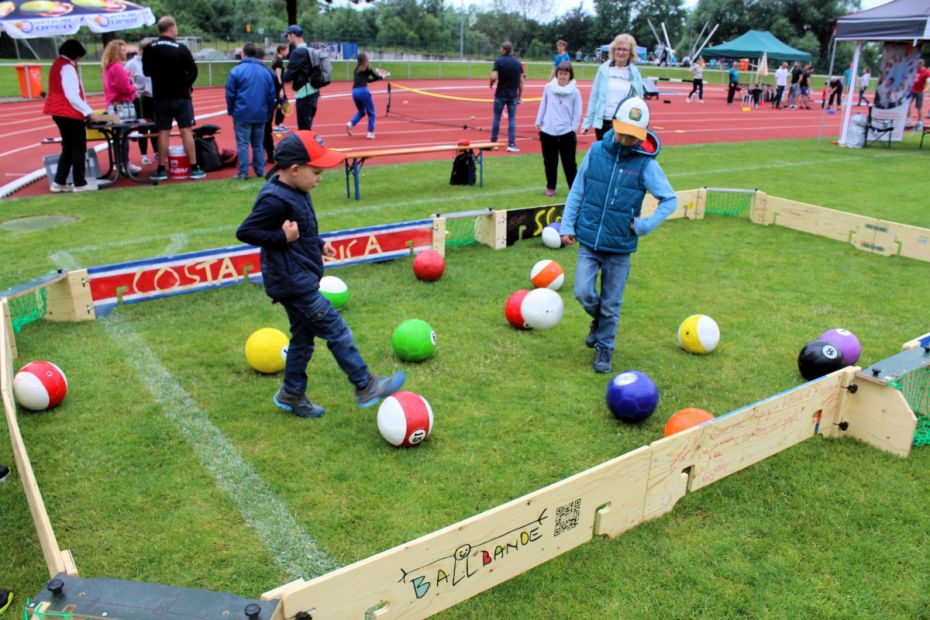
(463, 169)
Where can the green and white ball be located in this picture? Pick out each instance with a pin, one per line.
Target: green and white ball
(414, 340)
(335, 290)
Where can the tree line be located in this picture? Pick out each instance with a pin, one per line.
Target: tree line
(453, 27)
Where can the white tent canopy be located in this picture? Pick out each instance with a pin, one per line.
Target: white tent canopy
(898, 20)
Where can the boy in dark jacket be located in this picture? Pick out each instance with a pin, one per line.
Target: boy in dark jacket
(603, 213)
(283, 224)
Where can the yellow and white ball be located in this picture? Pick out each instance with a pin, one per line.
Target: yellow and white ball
(698, 334)
(266, 350)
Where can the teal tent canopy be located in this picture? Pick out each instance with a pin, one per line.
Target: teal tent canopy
(752, 45)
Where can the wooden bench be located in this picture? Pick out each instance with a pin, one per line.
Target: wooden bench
(356, 158)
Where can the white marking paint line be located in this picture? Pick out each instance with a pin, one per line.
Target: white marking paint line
(292, 547)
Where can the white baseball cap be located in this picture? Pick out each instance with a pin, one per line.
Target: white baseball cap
(632, 118)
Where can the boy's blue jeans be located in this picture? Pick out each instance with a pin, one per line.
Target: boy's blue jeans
(250, 135)
(511, 120)
(604, 307)
(312, 316)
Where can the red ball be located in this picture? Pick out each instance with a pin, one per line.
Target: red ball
(513, 309)
(40, 385)
(428, 265)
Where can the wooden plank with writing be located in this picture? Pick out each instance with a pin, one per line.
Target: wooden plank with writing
(434, 572)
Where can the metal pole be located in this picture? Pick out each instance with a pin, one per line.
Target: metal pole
(847, 106)
(706, 41)
(462, 33)
(823, 109)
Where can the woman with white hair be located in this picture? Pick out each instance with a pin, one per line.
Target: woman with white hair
(616, 79)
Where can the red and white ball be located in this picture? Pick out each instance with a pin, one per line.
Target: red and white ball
(547, 274)
(513, 309)
(405, 419)
(40, 385)
(428, 265)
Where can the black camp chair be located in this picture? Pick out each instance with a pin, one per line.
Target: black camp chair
(878, 131)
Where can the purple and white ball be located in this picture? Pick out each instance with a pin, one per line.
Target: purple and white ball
(845, 341)
(551, 237)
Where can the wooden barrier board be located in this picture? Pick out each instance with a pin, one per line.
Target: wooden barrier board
(451, 565)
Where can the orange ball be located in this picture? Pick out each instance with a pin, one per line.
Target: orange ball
(685, 419)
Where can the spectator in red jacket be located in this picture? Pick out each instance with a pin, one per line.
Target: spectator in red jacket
(67, 107)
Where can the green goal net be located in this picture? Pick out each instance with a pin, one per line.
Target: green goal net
(462, 227)
(915, 387)
(727, 201)
(27, 309)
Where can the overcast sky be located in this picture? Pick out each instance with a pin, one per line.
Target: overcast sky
(562, 6)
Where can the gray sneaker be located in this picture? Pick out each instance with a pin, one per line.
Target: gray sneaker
(298, 403)
(591, 339)
(379, 387)
(198, 173)
(602, 360)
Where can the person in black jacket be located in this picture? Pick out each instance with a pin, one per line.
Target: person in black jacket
(361, 96)
(299, 64)
(283, 224)
(173, 72)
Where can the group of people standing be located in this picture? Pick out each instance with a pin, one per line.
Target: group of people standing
(158, 86)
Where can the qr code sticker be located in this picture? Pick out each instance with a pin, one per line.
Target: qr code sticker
(566, 517)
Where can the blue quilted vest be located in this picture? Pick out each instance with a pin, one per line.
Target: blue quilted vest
(613, 195)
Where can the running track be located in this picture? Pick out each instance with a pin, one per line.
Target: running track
(22, 124)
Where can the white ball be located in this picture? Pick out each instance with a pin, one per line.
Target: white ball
(551, 238)
(405, 419)
(542, 308)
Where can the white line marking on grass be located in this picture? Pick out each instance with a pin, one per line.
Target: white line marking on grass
(178, 243)
(293, 548)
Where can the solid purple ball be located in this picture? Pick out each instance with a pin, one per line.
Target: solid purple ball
(632, 396)
(845, 341)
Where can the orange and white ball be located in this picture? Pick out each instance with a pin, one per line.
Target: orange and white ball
(40, 385)
(405, 419)
(547, 274)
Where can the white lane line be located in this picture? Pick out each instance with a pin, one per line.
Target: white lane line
(291, 546)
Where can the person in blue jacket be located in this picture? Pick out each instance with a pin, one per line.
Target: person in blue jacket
(250, 100)
(615, 80)
(283, 224)
(603, 213)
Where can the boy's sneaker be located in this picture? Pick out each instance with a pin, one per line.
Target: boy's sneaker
(198, 173)
(513, 148)
(379, 387)
(370, 135)
(159, 174)
(59, 187)
(602, 360)
(6, 599)
(4, 472)
(298, 403)
(591, 339)
(281, 129)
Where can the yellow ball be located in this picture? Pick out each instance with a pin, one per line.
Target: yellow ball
(698, 334)
(266, 350)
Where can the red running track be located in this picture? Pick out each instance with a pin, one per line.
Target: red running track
(437, 121)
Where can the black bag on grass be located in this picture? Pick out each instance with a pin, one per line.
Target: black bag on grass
(208, 153)
(463, 169)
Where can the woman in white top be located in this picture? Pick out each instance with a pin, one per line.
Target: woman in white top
(697, 80)
(616, 79)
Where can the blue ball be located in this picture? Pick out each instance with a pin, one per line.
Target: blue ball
(632, 396)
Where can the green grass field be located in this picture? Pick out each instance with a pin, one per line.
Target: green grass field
(169, 463)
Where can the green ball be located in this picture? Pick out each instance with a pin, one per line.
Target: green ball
(414, 340)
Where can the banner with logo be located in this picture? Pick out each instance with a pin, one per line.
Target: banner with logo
(898, 69)
(32, 19)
